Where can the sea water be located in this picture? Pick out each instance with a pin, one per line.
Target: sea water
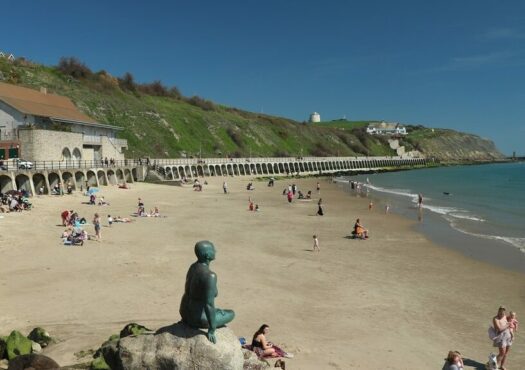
(486, 202)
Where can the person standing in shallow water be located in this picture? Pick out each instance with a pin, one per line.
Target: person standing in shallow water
(419, 200)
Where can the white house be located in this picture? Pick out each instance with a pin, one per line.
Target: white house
(385, 128)
(39, 126)
(9, 57)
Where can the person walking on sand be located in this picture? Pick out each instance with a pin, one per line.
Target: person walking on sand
(290, 196)
(320, 211)
(318, 188)
(96, 224)
(316, 244)
(225, 187)
(370, 205)
(501, 336)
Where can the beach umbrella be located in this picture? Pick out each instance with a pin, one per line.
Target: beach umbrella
(93, 191)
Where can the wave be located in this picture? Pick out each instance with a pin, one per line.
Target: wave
(441, 210)
(514, 241)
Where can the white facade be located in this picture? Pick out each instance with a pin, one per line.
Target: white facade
(386, 128)
(315, 117)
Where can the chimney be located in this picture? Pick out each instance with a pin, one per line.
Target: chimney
(43, 90)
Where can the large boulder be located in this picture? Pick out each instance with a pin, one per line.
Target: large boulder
(176, 347)
(33, 362)
(17, 344)
(40, 336)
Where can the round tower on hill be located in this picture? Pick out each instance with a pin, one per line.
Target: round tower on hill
(315, 117)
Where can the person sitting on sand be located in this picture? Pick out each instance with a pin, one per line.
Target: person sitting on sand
(123, 186)
(257, 209)
(309, 194)
(359, 230)
(263, 348)
(453, 361)
(102, 202)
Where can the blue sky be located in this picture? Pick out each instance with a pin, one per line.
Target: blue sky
(452, 63)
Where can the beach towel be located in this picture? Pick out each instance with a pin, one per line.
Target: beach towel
(260, 352)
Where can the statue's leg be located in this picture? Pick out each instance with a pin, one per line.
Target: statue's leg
(222, 317)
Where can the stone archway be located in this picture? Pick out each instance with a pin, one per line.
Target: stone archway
(6, 183)
(53, 179)
(112, 178)
(39, 181)
(91, 178)
(67, 177)
(23, 183)
(102, 178)
(80, 178)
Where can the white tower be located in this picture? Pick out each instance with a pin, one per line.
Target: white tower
(315, 117)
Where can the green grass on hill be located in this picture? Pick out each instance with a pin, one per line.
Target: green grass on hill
(173, 126)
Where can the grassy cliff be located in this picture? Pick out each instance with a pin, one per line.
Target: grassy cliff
(161, 123)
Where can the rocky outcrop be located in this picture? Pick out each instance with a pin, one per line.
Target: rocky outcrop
(175, 347)
(33, 362)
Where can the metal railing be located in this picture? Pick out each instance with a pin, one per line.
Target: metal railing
(22, 165)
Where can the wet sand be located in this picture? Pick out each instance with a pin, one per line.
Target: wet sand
(394, 301)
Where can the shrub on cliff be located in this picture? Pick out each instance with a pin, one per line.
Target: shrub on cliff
(73, 67)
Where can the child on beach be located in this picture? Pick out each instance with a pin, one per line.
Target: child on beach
(370, 206)
(110, 220)
(513, 323)
(387, 208)
(316, 244)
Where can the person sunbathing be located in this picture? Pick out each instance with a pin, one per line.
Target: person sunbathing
(359, 230)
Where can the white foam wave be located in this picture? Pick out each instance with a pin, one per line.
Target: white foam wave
(514, 241)
(441, 210)
(403, 192)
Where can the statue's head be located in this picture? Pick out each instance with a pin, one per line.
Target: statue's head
(205, 251)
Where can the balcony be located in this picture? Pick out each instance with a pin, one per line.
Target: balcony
(92, 139)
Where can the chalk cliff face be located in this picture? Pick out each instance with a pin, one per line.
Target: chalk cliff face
(449, 145)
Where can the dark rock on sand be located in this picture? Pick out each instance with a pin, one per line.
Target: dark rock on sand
(40, 336)
(3, 346)
(33, 362)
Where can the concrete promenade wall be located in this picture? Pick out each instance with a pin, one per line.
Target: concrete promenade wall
(46, 176)
(176, 169)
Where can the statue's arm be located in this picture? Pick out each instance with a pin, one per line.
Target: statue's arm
(209, 308)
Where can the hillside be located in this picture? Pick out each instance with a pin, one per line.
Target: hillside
(161, 123)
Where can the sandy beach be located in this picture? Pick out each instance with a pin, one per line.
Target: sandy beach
(394, 301)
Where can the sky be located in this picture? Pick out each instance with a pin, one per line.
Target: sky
(456, 64)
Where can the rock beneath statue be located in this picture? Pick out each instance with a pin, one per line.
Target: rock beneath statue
(176, 347)
(33, 362)
(253, 362)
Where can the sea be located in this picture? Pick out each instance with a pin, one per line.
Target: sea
(476, 209)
